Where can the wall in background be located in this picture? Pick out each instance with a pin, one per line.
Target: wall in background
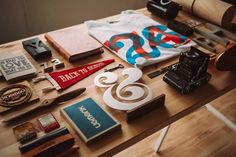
(12, 20)
(23, 18)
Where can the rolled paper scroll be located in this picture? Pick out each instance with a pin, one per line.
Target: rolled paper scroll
(215, 11)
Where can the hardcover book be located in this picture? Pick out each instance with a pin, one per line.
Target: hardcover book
(74, 43)
(15, 66)
(89, 120)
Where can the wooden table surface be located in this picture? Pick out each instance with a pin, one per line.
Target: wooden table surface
(176, 104)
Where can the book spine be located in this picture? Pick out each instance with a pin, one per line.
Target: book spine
(58, 48)
(73, 125)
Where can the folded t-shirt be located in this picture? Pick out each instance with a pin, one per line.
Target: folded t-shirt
(139, 40)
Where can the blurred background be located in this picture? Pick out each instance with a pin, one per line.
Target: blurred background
(23, 18)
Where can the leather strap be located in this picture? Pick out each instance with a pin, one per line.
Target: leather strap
(192, 6)
(47, 145)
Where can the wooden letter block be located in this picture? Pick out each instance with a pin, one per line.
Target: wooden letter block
(145, 108)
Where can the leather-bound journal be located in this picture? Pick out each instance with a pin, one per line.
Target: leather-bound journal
(74, 43)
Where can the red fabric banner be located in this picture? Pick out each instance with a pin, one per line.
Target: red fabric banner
(65, 78)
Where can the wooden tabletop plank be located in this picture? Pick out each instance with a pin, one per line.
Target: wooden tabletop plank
(176, 106)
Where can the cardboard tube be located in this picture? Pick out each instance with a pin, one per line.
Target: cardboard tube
(215, 11)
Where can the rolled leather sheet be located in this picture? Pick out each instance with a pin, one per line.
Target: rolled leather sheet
(215, 11)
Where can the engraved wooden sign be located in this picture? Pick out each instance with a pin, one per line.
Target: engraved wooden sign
(16, 95)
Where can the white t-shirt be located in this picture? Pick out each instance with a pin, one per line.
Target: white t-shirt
(139, 40)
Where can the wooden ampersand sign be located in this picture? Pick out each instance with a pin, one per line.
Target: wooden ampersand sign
(128, 94)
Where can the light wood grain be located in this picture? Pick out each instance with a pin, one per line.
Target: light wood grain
(216, 11)
(199, 134)
(176, 106)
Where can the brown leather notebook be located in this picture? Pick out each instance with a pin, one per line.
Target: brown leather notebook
(74, 43)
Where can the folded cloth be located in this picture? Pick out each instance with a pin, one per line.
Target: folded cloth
(139, 40)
